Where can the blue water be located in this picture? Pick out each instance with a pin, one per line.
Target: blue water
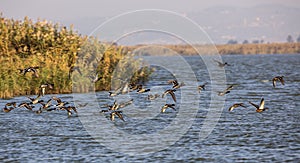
(238, 136)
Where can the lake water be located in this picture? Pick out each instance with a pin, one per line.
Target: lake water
(196, 131)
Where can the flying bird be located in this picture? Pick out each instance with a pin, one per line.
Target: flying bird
(201, 87)
(171, 92)
(220, 64)
(26, 105)
(35, 100)
(277, 78)
(142, 90)
(118, 113)
(30, 69)
(152, 97)
(44, 86)
(164, 108)
(227, 90)
(236, 105)
(261, 106)
(175, 83)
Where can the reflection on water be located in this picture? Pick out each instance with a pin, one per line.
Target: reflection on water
(240, 135)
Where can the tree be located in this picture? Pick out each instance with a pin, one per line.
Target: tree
(232, 42)
(245, 42)
(289, 39)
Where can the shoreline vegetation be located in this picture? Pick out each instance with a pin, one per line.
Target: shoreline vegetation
(58, 51)
(225, 49)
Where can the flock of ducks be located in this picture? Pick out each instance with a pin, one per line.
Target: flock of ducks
(33, 103)
(259, 108)
(113, 109)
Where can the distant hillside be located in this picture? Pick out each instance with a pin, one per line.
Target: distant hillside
(271, 48)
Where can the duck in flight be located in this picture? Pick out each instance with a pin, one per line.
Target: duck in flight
(175, 83)
(118, 113)
(44, 86)
(220, 64)
(12, 106)
(30, 69)
(6, 109)
(59, 102)
(68, 109)
(142, 90)
(152, 97)
(201, 87)
(261, 107)
(278, 78)
(164, 108)
(26, 105)
(171, 92)
(47, 104)
(227, 90)
(236, 105)
(35, 100)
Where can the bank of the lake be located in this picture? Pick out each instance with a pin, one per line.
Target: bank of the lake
(267, 48)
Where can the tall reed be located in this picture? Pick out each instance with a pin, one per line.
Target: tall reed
(54, 49)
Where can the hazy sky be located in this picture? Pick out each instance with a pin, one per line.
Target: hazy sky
(70, 9)
(87, 15)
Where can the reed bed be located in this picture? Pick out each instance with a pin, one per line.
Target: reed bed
(55, 49)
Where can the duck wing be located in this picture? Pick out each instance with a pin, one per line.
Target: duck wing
(256, 106)
(281, 80)
(274, 82)
(262, 104)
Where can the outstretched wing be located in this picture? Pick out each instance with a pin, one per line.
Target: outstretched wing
(126, 103)
(256, 106)
(281, 80)
(172, 106)
(262, 104)
(173, 95)
(120, 115)
(229, 88)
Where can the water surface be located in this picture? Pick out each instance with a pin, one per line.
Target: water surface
(241, 135)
